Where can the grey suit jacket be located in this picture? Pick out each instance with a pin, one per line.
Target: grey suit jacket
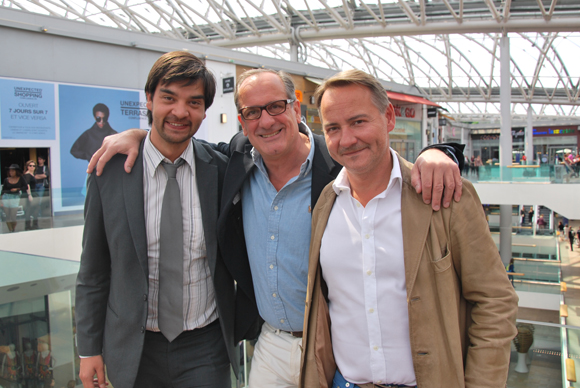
(112, 285)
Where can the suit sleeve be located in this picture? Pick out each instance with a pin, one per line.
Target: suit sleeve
(93, 281)
(453, 150)
(486, 287)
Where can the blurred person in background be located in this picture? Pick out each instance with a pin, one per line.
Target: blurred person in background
(13, 188)
(31, 207)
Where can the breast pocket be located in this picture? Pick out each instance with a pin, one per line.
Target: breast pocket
(442, 262)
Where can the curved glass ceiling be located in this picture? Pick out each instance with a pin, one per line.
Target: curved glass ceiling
(448, 49)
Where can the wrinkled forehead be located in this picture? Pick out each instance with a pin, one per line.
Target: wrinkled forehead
(261, 89)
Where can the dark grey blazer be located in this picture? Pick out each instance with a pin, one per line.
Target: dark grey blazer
(112, 285)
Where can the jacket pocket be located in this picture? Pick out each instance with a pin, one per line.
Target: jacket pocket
(443, 263)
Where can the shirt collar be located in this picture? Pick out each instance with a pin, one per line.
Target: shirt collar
(153, 157)
(341, 183)
(304, 168)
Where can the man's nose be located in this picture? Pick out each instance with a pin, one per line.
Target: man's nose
(180, 110)
(266, 120)
(347, 137)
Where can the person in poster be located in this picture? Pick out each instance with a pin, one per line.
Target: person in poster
(91, 139)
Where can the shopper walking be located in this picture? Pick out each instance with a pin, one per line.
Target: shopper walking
(13, 188)
(31, 208)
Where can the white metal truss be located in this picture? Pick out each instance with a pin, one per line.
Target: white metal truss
(446, 48)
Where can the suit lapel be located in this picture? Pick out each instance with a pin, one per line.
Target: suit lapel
(240, 165)
(206, 176)
(416, 219)
(135, 207)
(324, 169)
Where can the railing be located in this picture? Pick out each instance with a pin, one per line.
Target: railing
(544, 173)
(41, 214)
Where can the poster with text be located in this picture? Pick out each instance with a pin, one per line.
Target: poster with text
(87, 116)
(26, 110)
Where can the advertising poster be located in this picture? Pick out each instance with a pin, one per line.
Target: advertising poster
(87, 116)
(26, 110)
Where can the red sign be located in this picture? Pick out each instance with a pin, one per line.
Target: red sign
(401, 111)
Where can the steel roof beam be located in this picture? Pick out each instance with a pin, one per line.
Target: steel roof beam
(435, 28)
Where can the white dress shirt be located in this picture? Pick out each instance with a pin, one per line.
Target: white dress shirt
(199, 305)
(363, 265)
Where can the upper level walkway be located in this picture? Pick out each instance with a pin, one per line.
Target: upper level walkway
(545, 185)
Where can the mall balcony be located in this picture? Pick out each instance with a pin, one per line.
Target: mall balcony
(39, 267)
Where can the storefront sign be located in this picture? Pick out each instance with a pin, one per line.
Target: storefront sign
(27, 110)
(405, 111)
(556, 131)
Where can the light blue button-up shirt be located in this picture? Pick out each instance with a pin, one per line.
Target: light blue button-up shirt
(277, 227)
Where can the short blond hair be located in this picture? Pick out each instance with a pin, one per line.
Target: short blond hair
(355, 77)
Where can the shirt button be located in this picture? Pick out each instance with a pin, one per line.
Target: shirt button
(371, 311)
(367, 236)
(272, 237)
(379, 381)
(281, 321)
(369, 272)
(357, 204)
(347, 385)
(275, 207)
(271, 266)
(274, 295)
(375, 347)
(145, 297)
(142, 329)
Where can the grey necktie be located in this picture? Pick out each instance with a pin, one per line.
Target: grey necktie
(170, 303)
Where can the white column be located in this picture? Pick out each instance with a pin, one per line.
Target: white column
(529, 147)
(293, 51)
(424, 139)
(505, 139)
(505, 149)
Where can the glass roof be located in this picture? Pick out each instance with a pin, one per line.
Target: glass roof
(448, 49)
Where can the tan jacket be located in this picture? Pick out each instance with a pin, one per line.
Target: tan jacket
(462, 307)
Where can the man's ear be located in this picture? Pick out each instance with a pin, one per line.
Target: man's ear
(297, 110)
(149, 101)
(391, 118)
(241, 120)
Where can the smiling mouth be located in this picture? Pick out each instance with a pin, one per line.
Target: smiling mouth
(177, 124)
(350, 152)
(272, 134)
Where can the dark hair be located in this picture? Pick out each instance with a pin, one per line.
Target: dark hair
(180, 66)
(284, 77)
(101, 108)
(16, 168)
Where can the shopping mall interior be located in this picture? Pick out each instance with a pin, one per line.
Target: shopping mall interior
(500, 77)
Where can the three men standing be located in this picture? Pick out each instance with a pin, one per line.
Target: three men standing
(412, 297)
(276, 172)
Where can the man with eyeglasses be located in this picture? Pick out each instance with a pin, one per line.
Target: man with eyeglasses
(276, 172)
(91, 139)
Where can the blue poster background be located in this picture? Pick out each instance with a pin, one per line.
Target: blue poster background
(76, 117)
(27, 110)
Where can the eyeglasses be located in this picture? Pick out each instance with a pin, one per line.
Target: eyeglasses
(274, 109)
(32, 165)
(99, 119)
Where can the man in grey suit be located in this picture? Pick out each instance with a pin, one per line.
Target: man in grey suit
(122, 301)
